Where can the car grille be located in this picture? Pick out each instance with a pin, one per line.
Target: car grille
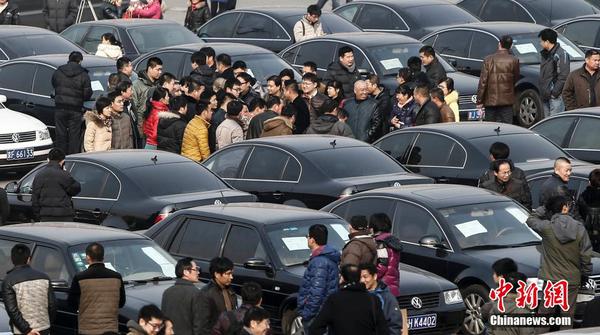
(596, 278)
(430, 300)
(465, 100)
(28, 136)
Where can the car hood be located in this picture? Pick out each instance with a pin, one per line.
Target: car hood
(465, 84)
(15, 122)
(365, 183)
(527, 258)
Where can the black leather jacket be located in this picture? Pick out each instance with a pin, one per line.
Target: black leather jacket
(10, 15)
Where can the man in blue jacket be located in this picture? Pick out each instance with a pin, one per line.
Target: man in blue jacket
(321, 276)
(391, 310)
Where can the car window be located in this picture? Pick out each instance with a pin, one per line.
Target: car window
(5, 260)
(267, 164)
(523, 147)
(585, 135)
(361, 61)
(152, 37)
(42, 83)
(438, 15)
(397, 145)
(242, 244)
(50, 262)
(220, 26)
(348, 12)
(17, 77)
(333, 23)
(200, 239)
(259, 26)
(75, 33)
(556, 129)
(411, 223)
(96, 181)
(227, 163)
(436, 150)
(163, 237)
(172, 61)
(453, 43)
(290, 55)
(342, 162)
(368, 209)
(582, 32)
(430, 40)
(503, 10)
(94, 36)
(42, 44)
(322, 53)
(262, 66)
(482, 45)
(575, 185)
(471, 6)
(379, 17)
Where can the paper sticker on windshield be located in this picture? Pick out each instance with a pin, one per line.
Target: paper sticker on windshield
(517, 213)
(295, 243)
(526, 48)
(109, 266)
(167, 267)
(340, 230)
(97, 86)
(392, 63)
(471, 228)
(572, 52)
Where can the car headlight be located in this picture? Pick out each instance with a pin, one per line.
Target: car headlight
(43, 134)
(452, 297)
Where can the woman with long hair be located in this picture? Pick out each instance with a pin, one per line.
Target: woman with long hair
(335, 91)
(109, 47)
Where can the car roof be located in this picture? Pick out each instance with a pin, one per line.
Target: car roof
(592, 111)
(67, 233)
(11, 31)
(231, 49)
(128, 23)
(499, 28)
(471, 130)
(258, 214)
(276, 12)
(581, 171)
(594, 17)
(57, 60)
(399, 4)
(125, 159)
(307, 143)
(365, 39)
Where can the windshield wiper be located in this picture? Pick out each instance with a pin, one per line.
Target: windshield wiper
(487, 246)
(161, 278)
(144, 281)
(525, 244)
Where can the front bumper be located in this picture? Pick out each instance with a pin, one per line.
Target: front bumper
(449, 317)
(40, 156)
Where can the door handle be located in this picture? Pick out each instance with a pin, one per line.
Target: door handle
(443, 180)
(30, 105)
(277, 194)
(97, 212)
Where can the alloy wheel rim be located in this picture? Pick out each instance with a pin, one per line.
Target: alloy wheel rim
(528, 110)
(473, 319)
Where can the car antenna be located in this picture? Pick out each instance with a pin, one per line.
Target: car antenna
(154, 159)
(497, 130)
(333, 144)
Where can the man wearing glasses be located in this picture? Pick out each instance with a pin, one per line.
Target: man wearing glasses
(180, 302)
(503, 183)
(150, 321)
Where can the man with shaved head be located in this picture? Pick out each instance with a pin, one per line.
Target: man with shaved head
(556, 184)
(364, 117)
(428, 112)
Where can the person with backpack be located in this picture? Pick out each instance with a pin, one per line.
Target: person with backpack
(309, 25)
(589, 208)
(232, 322)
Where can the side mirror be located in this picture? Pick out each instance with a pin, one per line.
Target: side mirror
(431, 241)
(257, 264)
(11, 187)
(2, 99)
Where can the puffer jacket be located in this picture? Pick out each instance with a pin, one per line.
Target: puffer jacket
(554, 70)
(204, 74)
(98, 133)
(390, 308)
(28, 299)
(277, 126)
(171, 127)
(151, 11)
(304, 29)
(109, 51)
(577, 92)
(365, 119)
(60, 14)
(196, 16)
(428, 114)
(319, 281)
(499, 75)
(388, 261)
(228, 132)
(360, 249)
(51, 192)
(195, 145)
(435, 72)
(122, 131)
(337, 71)
(514, 188)
(329, 124)
(141, 87)
(151, 122)
(452, 100)
(72, 86)
(10, 15)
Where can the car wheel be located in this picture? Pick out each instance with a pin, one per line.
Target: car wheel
(529, 109)
(295, 203)
(475, 296)
(290, 323)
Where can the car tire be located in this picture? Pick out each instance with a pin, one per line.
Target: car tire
(529, 108)
(288, 324)
(474, 297)
(295, 203)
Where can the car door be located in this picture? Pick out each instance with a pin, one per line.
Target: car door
(322, 53)
(584, 33)
(220, 28)
(100, 189)
(397, 145)
(375, 17)
(76, 33)
(454, 46)
(439, 157)
(557, 129)
(16, 81)
(504, 10)
(41, 99)
(261, 30)
(482, 45)
(585, 141)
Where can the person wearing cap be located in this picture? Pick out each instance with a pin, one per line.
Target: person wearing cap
(361, 248)
(52, 189)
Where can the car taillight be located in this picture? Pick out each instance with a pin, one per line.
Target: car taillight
(159, 217)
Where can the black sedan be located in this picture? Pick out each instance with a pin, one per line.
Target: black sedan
(309, 170)
(578, 182)
(379, 53)
(130, 189)
(269, 27)
(547, 13)
(261, 63)
(575, 131)
(23, 41)
(583, 31)
(458, 153)
(456, 232)
(58, 249)
(406, 17)
(27, 83)
(465, 46)
(138, 36)
(267, 244)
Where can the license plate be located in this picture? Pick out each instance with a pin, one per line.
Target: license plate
(18, 154)
(474, 116)
(422, 321)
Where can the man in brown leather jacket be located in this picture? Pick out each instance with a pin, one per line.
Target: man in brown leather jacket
(496, 91)
(437, 97)
(582, 88)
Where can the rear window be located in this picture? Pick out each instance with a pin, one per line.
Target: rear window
(523, 147)
(31, 45)
(354, 162)
(439, 15)
(175, 178)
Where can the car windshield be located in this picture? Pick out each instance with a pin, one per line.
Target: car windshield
(31, 45)
(391, 57)
(439, 15)
(174, 178)
(262, 66)
(99, 79)
(354, 162)
(289, 238)
(523, 147)
(527, 48)
(152, 37)
(134, 259)
(490, 225)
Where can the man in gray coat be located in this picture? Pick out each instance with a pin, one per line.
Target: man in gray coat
(554, 70)
(60, 14)
(180, 302)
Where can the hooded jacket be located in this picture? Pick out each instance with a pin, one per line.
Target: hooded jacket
(98, 132)
(391, 310)
(109, 51)
(195, 145)
(228, 132)
(360, 249)
(346, 76)
(435, 72)
(364, 118)
(277, 126)
(566, 247)
(319, 281)
(304, 29)
(10, 15)
(60, 14)
(329, 124)
(579, 88)
(428, 114)
(499, 74)
(151, 122)
(122, 131)
(51, 192)
(514, 188)
(554, 70)
(170, 131)
(141, 87)
(388, 261)
(72, 86)
(196, 16)
(452, 100)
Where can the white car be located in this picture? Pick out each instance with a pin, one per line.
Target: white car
(24, 140)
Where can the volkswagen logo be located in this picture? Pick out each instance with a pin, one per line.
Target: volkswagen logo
(16, 137)
(416, 302)
(218, 202)
(397, 184)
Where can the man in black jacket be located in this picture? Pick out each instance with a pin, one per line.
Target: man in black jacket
(292, 95)
(27, 295)
(557, 185)
(500, 150)
(428, 112)
(9, 14)
(273, 109)
(505, 184)
(72, 87)
(351, 310)
(200, 70)
(434, 69)
(60, 14)
(364, 117)
(52, 189)
(344, 70)
(555, 67)
(216, 296)
(384, 101)
(180, 302)
(171, 125)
